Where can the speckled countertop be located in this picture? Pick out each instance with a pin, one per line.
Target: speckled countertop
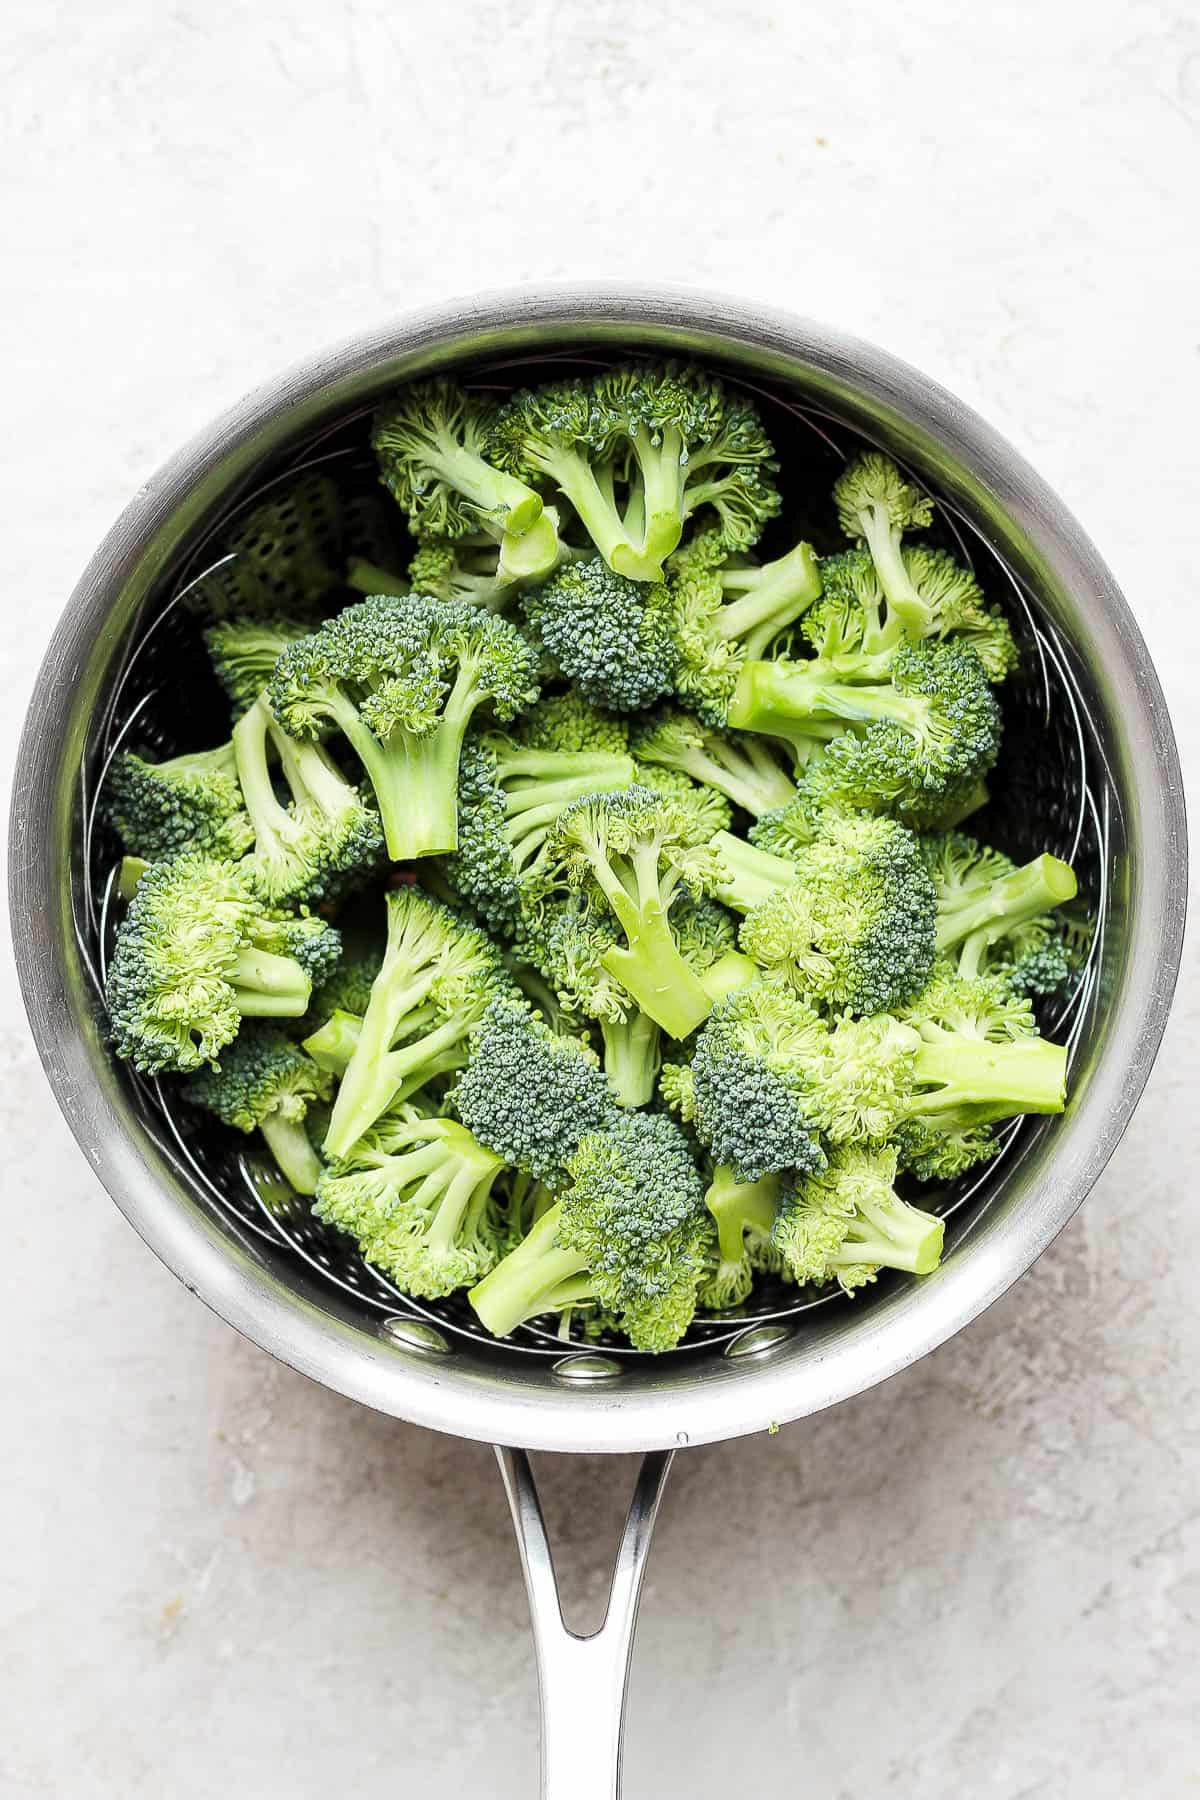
(982, 1581)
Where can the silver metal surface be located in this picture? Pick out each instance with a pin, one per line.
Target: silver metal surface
(253, 1252)
(582, 1678)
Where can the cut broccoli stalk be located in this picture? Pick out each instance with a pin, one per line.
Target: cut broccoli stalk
(650, 967)
(770, 597)
(737, 1207)
(632, 1054)
(985, 915)
(1003, 1080)
(267, 986)
(539, 1276)
(729, 973)
(368, 578)
(749, 875)
(887, 1233)
(289, 1144)
(415, 776)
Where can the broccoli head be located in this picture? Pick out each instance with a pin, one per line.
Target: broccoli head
(995, 915)
(190, 802)
(637, 451)
(402, 679)
(244, 651)
(436, 445)
(570, 724)
(528, 1094)
(629, 1232)
(195, 954)
(845, 1222)
(748, 1087)
(854, 929)
(876, 505)
(266, 1083)
(609, 635)
(418, 1195)
(636, 853)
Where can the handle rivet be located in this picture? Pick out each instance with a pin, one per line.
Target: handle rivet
(586, 1368)
(414, 1334)
(760, 1340)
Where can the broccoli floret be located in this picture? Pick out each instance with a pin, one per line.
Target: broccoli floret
(282, 556)
(528, 1094)
(845, 1222)
(744, 1215)
(637, 852)
(637, 451)
(195, 954)
(854, 930)
(509, 797)
(264, 1082)
(189, 802)
(609, 635)
(748, 1099)
(727, 611)
(856, 631)
(980, 1006)
(419, 1196)
(742, 767)
(992, 913)
(629, 1232)
(570, 724)
(436, 448)
(877, 505)
(244, 653)
(881, 1079)
(480, 569)
(319, 842)
(402, 679)
(910, 740)
(437, 978)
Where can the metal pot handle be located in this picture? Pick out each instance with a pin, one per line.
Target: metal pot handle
(582, 1680)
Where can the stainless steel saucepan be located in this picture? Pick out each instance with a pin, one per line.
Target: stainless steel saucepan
(1090, 771)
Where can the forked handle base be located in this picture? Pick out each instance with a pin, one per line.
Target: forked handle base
(582, 1680)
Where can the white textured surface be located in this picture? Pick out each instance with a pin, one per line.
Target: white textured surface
(984, 1580)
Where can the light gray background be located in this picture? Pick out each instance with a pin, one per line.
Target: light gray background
(983, 1579)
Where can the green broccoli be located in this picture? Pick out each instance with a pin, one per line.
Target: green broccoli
(876, 505)
(264, 1082)
(320, 841)
(854, 927)
(528, 1094)
(190, 802)
(912, 739)
(740, 766)
(509, 797)
(478, 568)
(436, 447)
(195, 954)
(637, 852)
(419, 1196)
(628, 1232)
(244, 651)
(747, 874)
(747, 1097)
(992, 913)
(402, 680)
(845, 1222)
(637, 451)
(437, 978)
(568, 723)
(608, 635)
(725, 612)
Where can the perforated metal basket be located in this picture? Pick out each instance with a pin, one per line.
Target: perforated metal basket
(1089, 771)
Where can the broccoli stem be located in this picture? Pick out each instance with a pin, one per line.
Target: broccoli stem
(268, 986)
(335, 1043)
(498, 496)
(288, 1143)
(529, 555)
(983, 916)
(888, 1233)
(599, 516)
(729, 973)
(743, 770)
(368, 578)
(415, 777)
(775, 697)
(663, 468)
(650, 966)
(774, 595)
(883, 542)
(738, 1207)
(274, 827)
(376, 1076)
(750, 874)
(632, 1055)
(528, 1280)
(1028, 1076)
